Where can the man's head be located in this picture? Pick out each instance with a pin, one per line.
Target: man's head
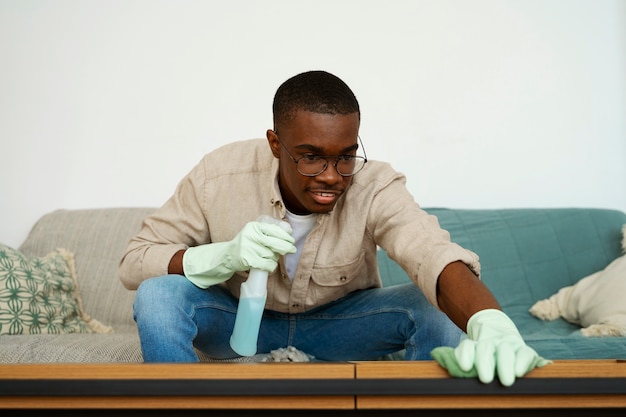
(313, 91)
(315, 115)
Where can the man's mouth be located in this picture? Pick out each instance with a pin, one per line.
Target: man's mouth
(324, 197)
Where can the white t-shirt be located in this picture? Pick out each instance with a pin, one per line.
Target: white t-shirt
(301, 226)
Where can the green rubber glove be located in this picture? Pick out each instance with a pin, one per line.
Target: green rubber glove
(258, 245)
(493, 345)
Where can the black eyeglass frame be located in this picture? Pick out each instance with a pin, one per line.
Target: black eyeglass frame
(326, 159)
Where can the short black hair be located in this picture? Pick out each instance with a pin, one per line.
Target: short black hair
(314, 91)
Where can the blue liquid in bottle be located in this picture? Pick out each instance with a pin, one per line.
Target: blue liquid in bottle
(247, 322)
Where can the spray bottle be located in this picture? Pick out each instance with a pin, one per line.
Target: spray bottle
(253, 294)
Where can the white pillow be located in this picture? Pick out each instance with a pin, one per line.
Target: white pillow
(597, 302)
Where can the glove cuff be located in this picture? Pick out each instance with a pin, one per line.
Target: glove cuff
(481, 317)
(204, 265)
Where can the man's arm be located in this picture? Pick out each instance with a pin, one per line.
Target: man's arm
(460, 294)
(494, 344)
(178, 224)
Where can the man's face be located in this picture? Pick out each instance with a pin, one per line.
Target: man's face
(313, 134)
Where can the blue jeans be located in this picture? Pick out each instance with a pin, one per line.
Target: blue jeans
(174, 316)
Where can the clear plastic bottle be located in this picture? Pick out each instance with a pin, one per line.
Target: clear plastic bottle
(252, 297)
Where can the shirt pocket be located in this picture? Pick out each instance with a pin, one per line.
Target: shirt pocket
(341, 275)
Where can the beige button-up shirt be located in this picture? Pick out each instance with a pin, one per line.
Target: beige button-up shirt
(238, 182)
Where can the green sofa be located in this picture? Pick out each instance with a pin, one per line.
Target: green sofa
(529, 254)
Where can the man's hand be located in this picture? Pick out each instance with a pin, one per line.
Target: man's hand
(258, 245)
(494, 345)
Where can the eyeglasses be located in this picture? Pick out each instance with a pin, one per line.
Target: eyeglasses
(312, 165)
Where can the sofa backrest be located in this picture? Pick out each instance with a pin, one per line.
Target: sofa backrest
(98, 239)
(528, 254)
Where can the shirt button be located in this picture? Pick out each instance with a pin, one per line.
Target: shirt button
(343, 278)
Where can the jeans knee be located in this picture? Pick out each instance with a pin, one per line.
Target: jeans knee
(154, 294)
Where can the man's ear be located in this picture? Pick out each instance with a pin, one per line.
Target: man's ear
(272, 140)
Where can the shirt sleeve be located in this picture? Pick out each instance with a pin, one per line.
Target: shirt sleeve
(178, 224)
(413, 238)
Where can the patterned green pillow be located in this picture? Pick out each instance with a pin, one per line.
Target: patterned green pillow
(40, 295)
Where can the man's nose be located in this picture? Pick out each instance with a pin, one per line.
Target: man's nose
(330, 175)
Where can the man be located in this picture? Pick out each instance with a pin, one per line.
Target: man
(323, 291)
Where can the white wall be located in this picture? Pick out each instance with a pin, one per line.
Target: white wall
(517, 103)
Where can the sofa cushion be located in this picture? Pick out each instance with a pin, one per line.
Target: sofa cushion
(39, 295)
(117, 347)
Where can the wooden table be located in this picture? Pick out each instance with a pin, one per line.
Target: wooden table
(384, 385)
